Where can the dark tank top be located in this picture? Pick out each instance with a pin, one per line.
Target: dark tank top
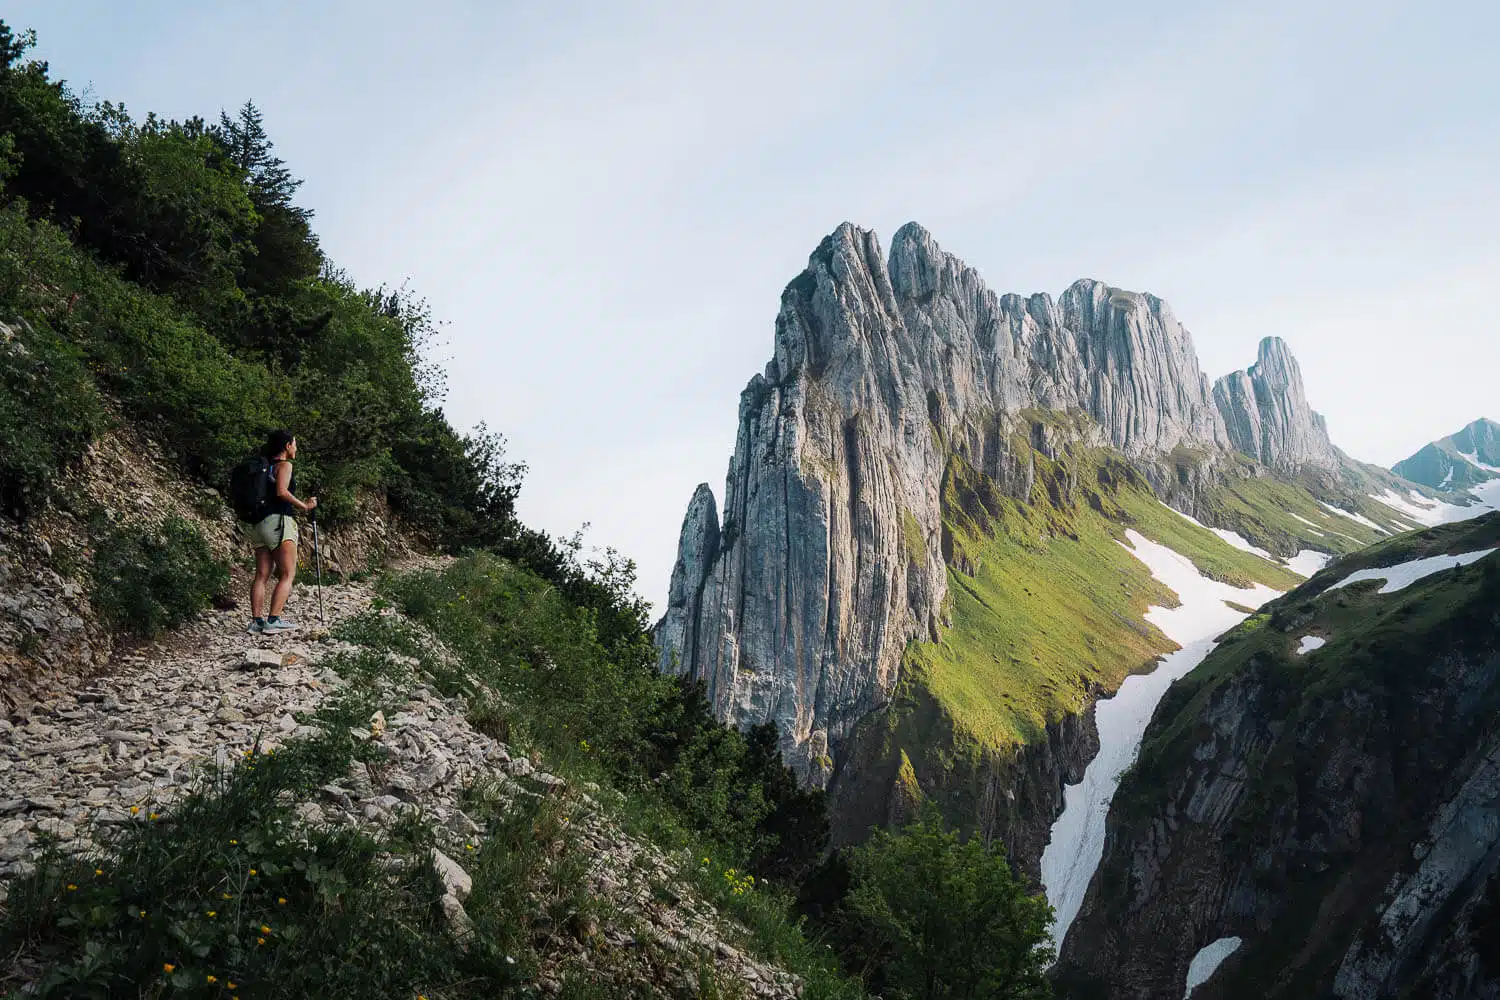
(276, 505)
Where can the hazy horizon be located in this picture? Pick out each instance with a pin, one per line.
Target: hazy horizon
(604, 205)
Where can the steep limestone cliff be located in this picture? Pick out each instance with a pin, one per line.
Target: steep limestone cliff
(1335, 807)
(797, 606)
(796, 603)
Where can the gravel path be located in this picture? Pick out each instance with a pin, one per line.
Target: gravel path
(137, 738)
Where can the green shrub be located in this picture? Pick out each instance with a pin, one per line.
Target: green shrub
(930, 916)
(150, 579)
(582, 684)
(208, 405)
(49, 412)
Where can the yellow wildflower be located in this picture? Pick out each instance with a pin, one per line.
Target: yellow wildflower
(168, 968)
(212, 980)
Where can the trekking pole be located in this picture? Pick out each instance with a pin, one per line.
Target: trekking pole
(318, 561)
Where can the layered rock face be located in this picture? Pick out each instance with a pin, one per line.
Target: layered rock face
(797, 605)
(1266, 413)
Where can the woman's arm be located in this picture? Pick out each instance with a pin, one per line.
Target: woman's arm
(284, 481)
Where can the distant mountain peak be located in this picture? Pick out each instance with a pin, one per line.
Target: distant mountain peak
(1461, 460)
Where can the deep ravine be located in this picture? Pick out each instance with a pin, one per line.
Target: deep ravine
(1077, 837)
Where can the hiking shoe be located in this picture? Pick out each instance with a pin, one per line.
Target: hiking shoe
(279, 625)
(256, 625)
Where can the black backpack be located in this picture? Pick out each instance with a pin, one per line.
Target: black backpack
(250, 488)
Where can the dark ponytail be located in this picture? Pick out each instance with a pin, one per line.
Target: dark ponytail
(276, 443)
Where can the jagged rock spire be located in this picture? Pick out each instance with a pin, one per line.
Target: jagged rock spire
(1267, 415)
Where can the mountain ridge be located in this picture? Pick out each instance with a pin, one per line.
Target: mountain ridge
(798, 605)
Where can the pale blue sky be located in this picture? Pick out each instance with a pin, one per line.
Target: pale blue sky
(604, 204)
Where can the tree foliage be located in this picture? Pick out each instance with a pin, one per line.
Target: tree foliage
(928, 915)
(171, 258)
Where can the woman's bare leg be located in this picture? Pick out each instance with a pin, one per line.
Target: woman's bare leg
(262, 577)
(286, 571)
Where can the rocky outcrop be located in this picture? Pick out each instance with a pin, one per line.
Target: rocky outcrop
(696, 549)
(1339, 813)
(1266, 413)
(1007, 794)
(796, 608)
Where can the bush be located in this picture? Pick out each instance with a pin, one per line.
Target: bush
(929, 916)
(172, 256)
(582, 683)
(150, 579)
(49, 412)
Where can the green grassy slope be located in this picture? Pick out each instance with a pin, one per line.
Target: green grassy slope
(1047, 605)
(1275, 515)
(1284, 517)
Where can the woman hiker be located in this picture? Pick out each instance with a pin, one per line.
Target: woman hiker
(275, 535)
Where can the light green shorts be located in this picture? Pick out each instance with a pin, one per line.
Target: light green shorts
(271, 531)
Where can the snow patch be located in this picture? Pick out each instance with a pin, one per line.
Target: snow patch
(1077, 839)
(1308, 561)
(1234, 538)
(1310, 643)
(1241, 542)
(1403, 575)
(1207, 962)
(1360, 518)
(1472, 457)
(1310, 524)
(1428, 512)
(1448, 478)
(1488, 496)
(1185, 517)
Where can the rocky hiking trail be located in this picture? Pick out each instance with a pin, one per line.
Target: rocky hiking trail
(166, 717)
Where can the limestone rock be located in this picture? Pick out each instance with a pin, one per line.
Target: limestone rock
(696, 549)
(796, 603)
(1267, 416)
(456, 881)
(256, 659)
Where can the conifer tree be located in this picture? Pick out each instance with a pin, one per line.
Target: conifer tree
(252, 151)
